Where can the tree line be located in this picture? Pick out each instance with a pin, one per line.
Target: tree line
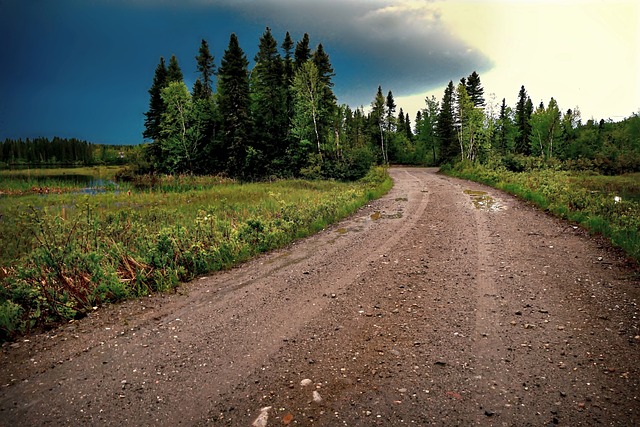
(61, 151)
(464, 127)
(279, 119)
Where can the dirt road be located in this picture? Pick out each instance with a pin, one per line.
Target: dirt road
(432, 306)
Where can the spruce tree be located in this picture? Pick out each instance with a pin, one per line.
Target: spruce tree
(234, 107)
(445, 129)
(407, 127)
(153, 117)
(377, 119)
(268, 108)
(475, 90)
(288, 72)
(327, 101)
(206, 68)
(390, 109)
(302, 53)
(400, 123)
(174, 73)
(524, 109)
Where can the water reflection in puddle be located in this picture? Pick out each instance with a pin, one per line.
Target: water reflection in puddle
(482, 200)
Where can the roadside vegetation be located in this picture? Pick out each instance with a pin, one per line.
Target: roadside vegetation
(63, 255)
(609, 205)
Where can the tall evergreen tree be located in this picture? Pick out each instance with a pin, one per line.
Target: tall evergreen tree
(475, 90)
(234, 107)
(174, 73)
(153, 117)
(390, 110)
(269, 101)
(303, 51)
(288, 71)
(400, 123)
(407, 127)
(524, 110)
(206, 68)
(378, 116)
(327, 100)
(506, 131)
(445, 127)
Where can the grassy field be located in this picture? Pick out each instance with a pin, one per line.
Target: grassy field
(609, 205)
(64, 254)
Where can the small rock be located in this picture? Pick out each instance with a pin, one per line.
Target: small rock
(306, 382)
(402, 390)
(489, 413)
(518, 313)
(262, 419)
(316, 396)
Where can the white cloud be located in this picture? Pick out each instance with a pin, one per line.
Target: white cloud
(584, 53)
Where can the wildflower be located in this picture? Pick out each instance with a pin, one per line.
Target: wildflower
(617, 199)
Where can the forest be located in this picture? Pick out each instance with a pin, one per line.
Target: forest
(61, 151)
(282, 119)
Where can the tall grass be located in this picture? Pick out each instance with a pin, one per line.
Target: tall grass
(18, 182)
(67, 254)
(602, 204)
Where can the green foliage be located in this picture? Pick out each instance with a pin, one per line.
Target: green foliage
(59, 151)
(69, 257)
(606, 205)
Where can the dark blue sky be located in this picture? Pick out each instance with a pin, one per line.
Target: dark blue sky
(82, 68)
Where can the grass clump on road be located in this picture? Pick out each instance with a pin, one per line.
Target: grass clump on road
(609, 205)
(61, 258)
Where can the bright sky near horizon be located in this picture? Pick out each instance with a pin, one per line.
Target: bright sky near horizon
(82, 68)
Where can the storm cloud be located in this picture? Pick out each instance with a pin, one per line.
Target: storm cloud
(403, 46)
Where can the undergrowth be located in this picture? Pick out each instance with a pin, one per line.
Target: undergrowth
(602, 204)
(64, 258)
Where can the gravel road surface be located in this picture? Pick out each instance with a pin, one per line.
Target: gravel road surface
(443, 303)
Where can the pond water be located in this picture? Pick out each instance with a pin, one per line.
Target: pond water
(84, 183)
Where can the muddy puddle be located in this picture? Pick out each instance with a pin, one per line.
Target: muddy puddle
(483, 201)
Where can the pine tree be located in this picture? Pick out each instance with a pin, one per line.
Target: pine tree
(207, 70)
(234, 107)
(378, 116)
(327, 100)
(524, 109)
(288, 71)
(268, 108)
(153, 117)
(502, 128)
(475, 90)
(445, 130)
(303, 52)
(174, 73)
(407, 127)
(400, 123)
(390, 109)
